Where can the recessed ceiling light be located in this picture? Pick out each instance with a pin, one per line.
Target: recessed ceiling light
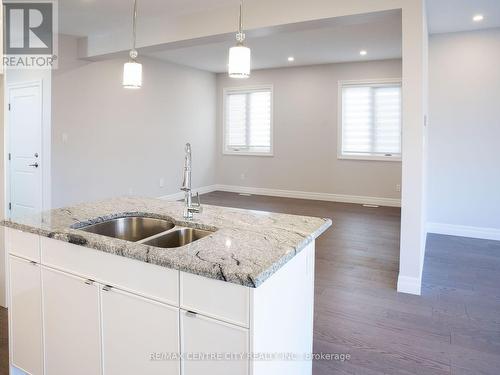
(478, 18)
(291, 59)
(363, 52)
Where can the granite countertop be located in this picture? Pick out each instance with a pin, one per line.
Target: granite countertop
(246, 249)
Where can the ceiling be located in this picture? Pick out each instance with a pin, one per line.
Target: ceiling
(98, 17)
(330, 42)
(326, 41)
(446, 16)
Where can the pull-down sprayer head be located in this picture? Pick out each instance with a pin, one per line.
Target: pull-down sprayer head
(186, 182)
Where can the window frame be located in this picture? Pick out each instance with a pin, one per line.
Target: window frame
(247, 89)
(340, 120)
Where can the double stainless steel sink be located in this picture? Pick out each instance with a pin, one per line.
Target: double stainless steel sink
(148, 231)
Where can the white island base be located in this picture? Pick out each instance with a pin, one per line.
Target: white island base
(75, 310)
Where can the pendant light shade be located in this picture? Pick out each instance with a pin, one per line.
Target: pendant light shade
(239, 62)
(132, 70)
(132, 75)
(239, 55)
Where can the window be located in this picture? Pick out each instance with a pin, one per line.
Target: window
(248, 121)
(370, 120)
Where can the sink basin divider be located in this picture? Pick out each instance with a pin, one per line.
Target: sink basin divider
(176, 227)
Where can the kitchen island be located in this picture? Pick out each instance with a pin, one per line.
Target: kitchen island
(229, 292)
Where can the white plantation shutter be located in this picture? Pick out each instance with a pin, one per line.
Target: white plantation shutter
(248, 121)
(371, 120)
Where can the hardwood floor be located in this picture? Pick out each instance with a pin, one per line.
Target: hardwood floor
(453, 328)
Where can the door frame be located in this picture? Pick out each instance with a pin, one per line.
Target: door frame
(45, 159)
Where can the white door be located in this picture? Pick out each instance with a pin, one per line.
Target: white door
(25, 314)
(205, 336)
(138, 335)
(71, 322)
(25, 144)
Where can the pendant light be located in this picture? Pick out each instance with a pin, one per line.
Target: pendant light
(239, 55)
(132, 70)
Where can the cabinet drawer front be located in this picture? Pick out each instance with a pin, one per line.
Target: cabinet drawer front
(209, 337)
(25, 316)
(138, 334)
(145, 279)
(22, 244)
(215, 298)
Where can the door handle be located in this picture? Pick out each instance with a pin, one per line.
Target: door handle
(33, 165)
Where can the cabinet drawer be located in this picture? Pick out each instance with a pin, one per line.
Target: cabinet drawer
(22, 244)
(205, 336)
(149, 280)
(218, 299)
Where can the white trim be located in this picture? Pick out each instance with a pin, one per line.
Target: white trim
(225, 90)
(409, 285)
(464, 231)
(367, 157)
(391, 202)
(180, 194)
(372, 81)
(340, 117)
(247, 153)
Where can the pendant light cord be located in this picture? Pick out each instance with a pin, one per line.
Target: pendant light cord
(240, 36)
(133, 52)
(240, 26)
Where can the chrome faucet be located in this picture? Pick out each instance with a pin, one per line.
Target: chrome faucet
(189, 206)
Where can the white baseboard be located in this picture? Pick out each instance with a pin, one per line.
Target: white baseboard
(311, 195)
(290, 194)
(409, 285)
(180, 194)
(464, 231)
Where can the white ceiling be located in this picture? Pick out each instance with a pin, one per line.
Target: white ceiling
(446, 16)
(97, 17)
(335, 41)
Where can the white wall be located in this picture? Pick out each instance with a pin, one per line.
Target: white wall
(415, 98)
(3, 291)
(109, 141)
(464, 133)
(305, 134)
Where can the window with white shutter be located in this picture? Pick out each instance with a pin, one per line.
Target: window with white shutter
(370, 120)
(248, 121)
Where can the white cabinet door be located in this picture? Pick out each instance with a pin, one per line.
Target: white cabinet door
(71, 324)
(209, 337)
(138, 335)
(25, 313)
(25, 133)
